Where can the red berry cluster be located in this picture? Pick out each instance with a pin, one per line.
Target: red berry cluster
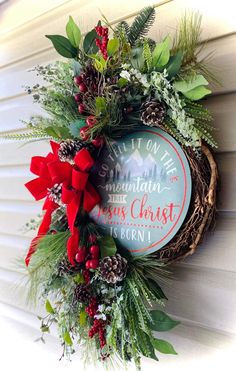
(80, 82)
(98, 328)
(92, 308)
(102, 44)
(91, 120)
(93, 260)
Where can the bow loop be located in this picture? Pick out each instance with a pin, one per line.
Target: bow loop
(84, 160)
(79, 179)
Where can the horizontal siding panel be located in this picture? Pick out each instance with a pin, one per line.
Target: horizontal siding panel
(217, 251)
(227, 181)
(11, 249)
(12, 183)
(20, 153)
(223, 109)
(15, 214)
(14, 111)
(24, 11)
(216, 23)
(205, 296)
(12, 288)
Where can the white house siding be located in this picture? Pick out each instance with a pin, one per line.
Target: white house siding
(203, 294)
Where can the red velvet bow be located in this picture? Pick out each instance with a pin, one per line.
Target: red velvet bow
(77, 191)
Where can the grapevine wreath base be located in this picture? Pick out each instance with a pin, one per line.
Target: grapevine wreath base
(201, 210)
(102, 290)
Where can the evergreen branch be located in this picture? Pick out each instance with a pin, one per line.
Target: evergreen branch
(27, 136)
(141, 25)
(187, 41)
(121, 30)
(147, 54)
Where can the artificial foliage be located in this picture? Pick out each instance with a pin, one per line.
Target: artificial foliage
(102, 299)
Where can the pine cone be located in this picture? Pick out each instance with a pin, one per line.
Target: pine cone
(113, 268)
(65, 268)
(69, 148)
(153, 113)
(82, 294)
(55, 193)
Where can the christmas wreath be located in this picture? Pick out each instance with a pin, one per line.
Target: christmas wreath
(126, 132)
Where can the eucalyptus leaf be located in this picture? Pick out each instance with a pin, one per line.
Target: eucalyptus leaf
(63, 46)
(112, 47)
(82, 318)
(137, 59)
(161, 321)
(58, 132)
(186, 85)
(89, 43)
(174, 64)
(107, 246)
(76, 67)
(44, 328)
(100, 105)
(161, 53)
(197, 93)
(49, 307)
(73, 32)
(163, 346)
(75, 127)
(67, 338)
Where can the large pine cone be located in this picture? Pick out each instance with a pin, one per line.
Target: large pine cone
(113, 268)
(82, 294)
(69, 148)
(153, 113)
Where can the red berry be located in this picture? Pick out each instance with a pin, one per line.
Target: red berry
(83, 88)
(78, 98)
(98, 142)
(94, 263)
(80, 256)
(81, 108)
(98, 43)
(78, 80)
(91, 121)
(88, 264)
(83, 133)
(94, 249)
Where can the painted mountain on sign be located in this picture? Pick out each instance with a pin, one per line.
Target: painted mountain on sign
(137, 166)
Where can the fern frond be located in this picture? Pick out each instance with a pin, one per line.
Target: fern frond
(147, 55)
(141, 24)
(121, 30)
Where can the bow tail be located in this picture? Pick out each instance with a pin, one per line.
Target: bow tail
(73, 241)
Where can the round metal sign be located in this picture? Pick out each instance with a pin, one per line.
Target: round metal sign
(145, 183)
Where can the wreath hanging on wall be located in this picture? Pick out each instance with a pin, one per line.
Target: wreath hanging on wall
(129, 184)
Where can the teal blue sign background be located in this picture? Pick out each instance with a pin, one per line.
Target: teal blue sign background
(145, 184)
